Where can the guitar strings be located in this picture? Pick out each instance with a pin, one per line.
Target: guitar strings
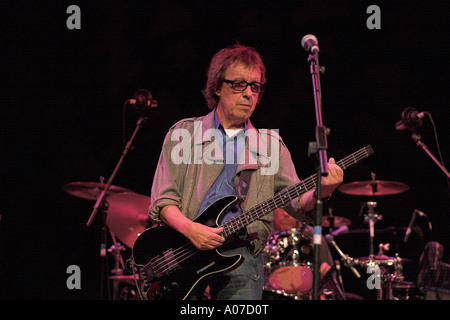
(291, 192)
(162, 264)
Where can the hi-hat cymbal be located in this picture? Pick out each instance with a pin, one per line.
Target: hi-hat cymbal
(90, 190)
(127, 215)
(373, 188)
(338, 221)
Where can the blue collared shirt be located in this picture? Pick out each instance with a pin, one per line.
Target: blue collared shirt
(224, 184)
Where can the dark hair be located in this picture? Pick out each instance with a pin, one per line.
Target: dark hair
(221, 61)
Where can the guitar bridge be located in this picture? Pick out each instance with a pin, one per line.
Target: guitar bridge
(162, 265)
(147, 273)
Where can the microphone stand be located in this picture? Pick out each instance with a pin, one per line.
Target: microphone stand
(320, 149)
(102, 205)
(417, 139)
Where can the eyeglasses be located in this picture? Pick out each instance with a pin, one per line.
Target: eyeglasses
(241, 85)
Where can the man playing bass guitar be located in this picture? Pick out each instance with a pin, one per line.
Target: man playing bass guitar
(221, 154)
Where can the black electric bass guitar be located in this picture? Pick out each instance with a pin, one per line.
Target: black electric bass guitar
(172, 268)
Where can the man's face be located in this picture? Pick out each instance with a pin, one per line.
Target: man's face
(235, 107)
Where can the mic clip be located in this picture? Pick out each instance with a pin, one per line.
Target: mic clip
(143, 101)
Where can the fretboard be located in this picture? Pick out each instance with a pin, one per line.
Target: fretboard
(285, 196)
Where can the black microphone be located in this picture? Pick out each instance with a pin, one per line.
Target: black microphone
(411, 224)
(411, 119)
(143, 101)
(310, 43)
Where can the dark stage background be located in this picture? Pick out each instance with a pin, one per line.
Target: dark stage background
(62, 93)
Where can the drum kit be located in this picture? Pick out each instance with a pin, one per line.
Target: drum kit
(126, 218)
(288, 254)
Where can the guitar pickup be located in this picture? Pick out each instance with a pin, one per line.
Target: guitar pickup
(170, 260)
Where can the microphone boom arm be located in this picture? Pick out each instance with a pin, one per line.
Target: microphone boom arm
(102, 197)
(417, 139)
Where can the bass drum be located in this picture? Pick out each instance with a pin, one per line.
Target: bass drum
(287, 263)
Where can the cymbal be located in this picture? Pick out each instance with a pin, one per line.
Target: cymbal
(380, 258)
(338, 221)
(90, 190)
(373, 188)
(127, 215)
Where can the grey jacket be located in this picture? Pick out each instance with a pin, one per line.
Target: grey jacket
(188, 167)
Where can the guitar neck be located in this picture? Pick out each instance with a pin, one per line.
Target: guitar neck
(285, 196)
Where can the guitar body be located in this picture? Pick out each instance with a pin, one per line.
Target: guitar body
(171, 266)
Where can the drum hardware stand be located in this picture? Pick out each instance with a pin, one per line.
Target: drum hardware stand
(338, 283)
(371, 217)
(330, 220)
(116, 250)
(346, 259)
(348, 262)
(103, 256)
(387, 279)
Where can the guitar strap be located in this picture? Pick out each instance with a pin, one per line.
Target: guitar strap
(255, 245)
(244, 184)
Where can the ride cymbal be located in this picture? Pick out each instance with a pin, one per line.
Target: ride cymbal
(373, 188)
(90, 190)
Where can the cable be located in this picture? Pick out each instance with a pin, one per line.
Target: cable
(133, 269)
(437, 143)
(125, 104)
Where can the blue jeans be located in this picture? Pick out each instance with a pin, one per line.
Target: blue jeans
(243, 283)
